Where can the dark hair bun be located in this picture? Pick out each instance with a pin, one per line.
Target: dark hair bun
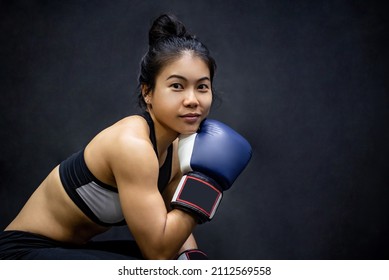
(166, 26)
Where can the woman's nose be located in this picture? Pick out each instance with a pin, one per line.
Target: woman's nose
(191, 99)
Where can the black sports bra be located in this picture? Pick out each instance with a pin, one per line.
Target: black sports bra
(99, 201)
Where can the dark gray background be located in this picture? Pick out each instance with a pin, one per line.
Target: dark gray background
(304, 81)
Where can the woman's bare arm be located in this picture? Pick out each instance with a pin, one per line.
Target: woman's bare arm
(168, 193)
(159, 233)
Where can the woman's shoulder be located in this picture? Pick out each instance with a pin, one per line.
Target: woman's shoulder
(128, 133)
(134, 127)
(133, 124)
(126, 140)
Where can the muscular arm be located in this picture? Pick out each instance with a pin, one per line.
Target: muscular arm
(159, 233)
(190, 243)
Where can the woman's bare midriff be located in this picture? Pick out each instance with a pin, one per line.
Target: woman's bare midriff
(51, 212)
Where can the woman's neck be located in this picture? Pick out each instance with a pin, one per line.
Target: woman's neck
(164, 135)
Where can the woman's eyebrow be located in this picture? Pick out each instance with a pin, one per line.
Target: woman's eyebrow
(204, 78)
(185, 79)
(176, 77)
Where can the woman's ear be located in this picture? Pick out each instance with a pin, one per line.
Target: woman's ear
(146, 92)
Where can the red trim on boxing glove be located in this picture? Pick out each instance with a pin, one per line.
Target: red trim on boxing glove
(199, 195)
(192, 254)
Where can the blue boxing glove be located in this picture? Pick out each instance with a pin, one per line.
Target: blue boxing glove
(210, 160)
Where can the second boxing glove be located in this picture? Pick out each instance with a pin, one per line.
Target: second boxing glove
(192, 254)
(210, 160)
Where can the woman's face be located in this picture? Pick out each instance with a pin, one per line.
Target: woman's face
(182, 96)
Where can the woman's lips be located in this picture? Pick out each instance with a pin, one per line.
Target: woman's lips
(191, 118)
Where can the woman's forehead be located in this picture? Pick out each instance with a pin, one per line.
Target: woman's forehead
(187, 66)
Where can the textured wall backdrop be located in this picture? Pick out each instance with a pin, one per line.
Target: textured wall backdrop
(304, 81)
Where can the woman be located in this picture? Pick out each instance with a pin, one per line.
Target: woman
(129, 172)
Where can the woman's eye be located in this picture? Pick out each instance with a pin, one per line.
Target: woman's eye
(176, 86)
(203, 87)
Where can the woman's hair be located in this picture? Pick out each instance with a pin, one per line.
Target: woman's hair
(168, 40)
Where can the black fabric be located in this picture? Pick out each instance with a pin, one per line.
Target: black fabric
(19, 245)
(74, 173)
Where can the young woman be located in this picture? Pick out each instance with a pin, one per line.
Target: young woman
(129, 172)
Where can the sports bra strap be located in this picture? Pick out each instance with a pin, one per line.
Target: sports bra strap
(165, 170)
